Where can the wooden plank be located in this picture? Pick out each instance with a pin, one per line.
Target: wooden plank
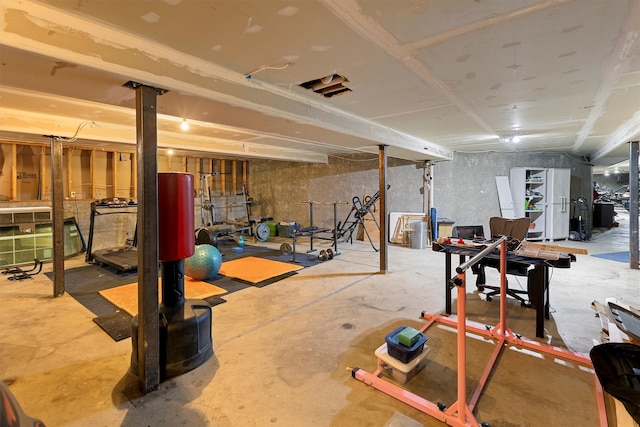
(221, 178)
(533, 253)
(245, 173)
(92, 166)
(234, 166)
(553, 248)
(43, 179)
(134, 177)
(69, 172)
(14, 172)
(114, 177)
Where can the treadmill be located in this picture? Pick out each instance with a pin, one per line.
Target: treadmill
(123, 258)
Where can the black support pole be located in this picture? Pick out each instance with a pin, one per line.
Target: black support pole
(382, 174)
(148, 335)
(57, 212)
(633, 205)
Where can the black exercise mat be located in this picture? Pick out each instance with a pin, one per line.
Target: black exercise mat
(84, 283)
(215, 300)
(235, 282)
(117, 324)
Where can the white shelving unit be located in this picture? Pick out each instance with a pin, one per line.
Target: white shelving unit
(542, 195)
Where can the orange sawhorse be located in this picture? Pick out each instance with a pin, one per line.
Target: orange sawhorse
(460, 413)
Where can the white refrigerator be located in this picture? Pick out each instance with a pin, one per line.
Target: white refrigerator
(558, 204)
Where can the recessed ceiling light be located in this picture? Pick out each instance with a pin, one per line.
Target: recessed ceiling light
(184, 125)
(255, 28)
(151, 17)
(288, 11)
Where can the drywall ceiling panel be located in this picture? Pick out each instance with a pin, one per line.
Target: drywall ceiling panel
(447, 125)
(43, 74)
(517, 57)
(422, 72)
(411, 20)
(619, 108)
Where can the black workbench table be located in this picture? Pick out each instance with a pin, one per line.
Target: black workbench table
(539, 277)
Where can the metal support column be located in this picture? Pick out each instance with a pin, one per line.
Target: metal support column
(633, 205)
(148, 345)
(382, 175)
(57, 215)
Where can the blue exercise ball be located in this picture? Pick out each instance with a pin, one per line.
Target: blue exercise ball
(204, 263)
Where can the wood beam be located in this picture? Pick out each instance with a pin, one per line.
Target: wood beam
(93, 174)
(14, 172)
(69, 171)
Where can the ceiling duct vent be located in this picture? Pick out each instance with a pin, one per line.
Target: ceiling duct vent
(328, 86)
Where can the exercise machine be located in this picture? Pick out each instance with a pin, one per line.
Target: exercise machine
(122, 258)
(313, 232)
(358, 213)
(211, 230)
(259, 228)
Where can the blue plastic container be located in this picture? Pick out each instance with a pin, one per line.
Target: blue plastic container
(403, 353)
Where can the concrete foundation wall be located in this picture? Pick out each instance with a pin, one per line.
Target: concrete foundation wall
(279, 189)
(464, 189)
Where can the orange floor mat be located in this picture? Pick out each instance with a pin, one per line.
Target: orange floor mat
(254, 269)
(126, 297)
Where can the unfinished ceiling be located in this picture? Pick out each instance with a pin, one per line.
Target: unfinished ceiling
(427, 78)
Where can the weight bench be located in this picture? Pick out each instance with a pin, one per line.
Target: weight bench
(307, 232)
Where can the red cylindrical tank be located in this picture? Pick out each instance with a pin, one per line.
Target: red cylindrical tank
(176, 234)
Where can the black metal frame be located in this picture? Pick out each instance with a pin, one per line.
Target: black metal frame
(359, 211)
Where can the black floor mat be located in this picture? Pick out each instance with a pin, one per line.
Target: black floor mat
(118, 323)
(84, 283)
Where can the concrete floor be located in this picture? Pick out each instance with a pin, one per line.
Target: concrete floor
(284, 352)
